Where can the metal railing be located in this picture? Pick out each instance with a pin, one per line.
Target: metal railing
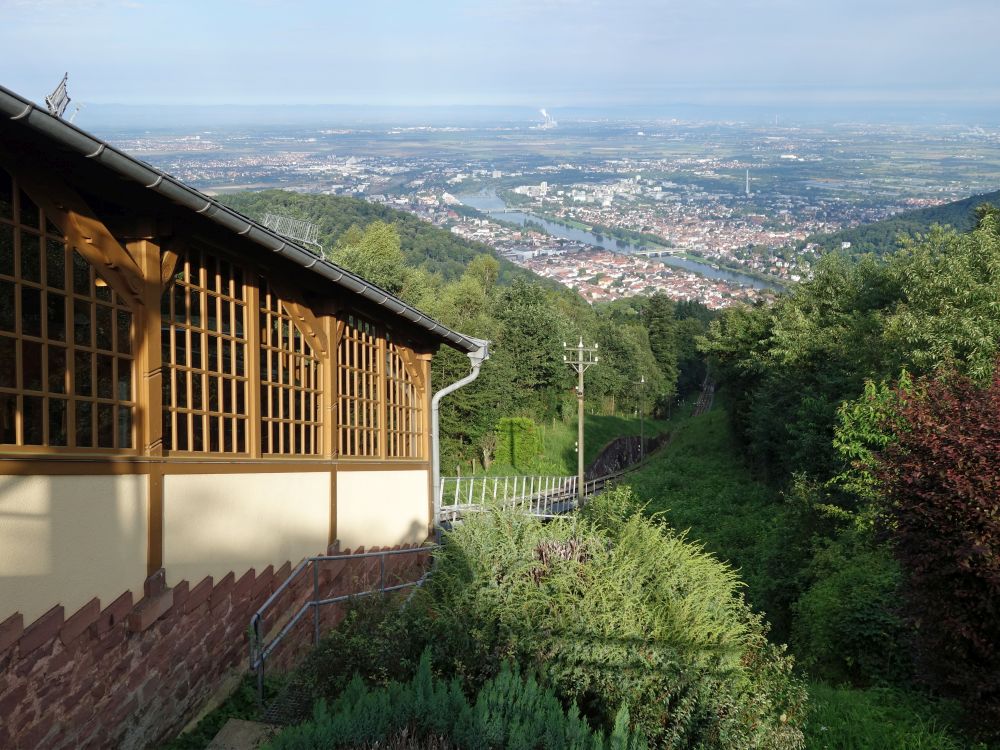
(543, 496)
(260, 649)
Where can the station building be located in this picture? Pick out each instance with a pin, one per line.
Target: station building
(184, 395)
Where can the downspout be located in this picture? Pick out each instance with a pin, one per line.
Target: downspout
(476, 358)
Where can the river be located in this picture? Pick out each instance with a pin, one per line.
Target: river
(488, 200)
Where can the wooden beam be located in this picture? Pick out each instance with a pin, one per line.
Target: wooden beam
(253, 369)
(329, 395)
(307, 320)
(149, 396)
(413, 363)
(83, 230)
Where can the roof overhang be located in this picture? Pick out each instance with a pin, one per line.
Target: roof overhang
(27, 114)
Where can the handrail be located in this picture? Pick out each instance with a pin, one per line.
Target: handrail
(542, 496)
(260, 651)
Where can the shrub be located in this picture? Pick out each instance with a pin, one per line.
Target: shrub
(616, 609)
(518, 442)
(943, 488)
(509, 712)
(381, 642)
(847, 626)
(376, 640)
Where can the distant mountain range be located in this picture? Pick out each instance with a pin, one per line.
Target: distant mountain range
(882, 237)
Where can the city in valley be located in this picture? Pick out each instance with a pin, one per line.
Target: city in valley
(716, 212)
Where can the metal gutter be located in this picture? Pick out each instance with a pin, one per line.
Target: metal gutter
(68, 135)
(476, 359)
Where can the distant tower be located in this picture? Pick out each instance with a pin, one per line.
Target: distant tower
(748, 183)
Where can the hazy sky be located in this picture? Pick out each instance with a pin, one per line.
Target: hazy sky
(552, 53)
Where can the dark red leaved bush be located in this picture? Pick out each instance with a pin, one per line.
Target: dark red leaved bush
(943, 486)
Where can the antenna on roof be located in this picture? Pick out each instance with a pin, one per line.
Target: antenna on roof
(76, 112)
(298, 230)
(58, 100)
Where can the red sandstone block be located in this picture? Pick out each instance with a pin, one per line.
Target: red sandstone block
(28, 665)
(282, 573)
(331, 570)
(112, 615)
(98, 690)
(263, 581)
(155, 584)
(10, 630)
(181, 593)
(21, 721)
(41, 630)
(244, 586)
(199, 594)
(222, 590)
(43, 734)
(61, 657)
(149, 610)
(84, 617)
(12, 700)
(123, 711)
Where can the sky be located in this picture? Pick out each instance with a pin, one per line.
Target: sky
(530, 53)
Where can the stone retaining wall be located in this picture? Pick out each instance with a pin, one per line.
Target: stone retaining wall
(134, 672)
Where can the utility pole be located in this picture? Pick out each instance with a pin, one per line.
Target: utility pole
(642, 417)
(580, 358)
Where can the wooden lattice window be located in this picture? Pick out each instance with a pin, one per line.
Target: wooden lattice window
(205, 356)
(404, 408)
(66, 361)
(290, 382)
(359, 388)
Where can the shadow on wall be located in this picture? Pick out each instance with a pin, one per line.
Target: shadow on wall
(67, 539)
(382, 508)
(221, 523)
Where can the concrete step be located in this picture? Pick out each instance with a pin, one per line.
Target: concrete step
(239, 734)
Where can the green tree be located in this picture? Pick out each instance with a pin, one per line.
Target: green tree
(375, 255)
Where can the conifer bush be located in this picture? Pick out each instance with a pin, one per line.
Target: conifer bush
(614, 609)
(510, 712)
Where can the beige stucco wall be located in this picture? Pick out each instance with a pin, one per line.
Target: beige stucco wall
(66, 539)
(382, 508)
(217, 523)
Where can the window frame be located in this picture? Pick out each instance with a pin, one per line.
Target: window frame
(52, 228)
(273, 309)
(240, 297)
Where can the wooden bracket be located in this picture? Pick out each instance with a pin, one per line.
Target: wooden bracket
(414, 367)
(303, 318)
(338, 333)
(168, 264)
(83, 230)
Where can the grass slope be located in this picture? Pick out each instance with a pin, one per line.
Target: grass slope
(699, 483)
(559, 443)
